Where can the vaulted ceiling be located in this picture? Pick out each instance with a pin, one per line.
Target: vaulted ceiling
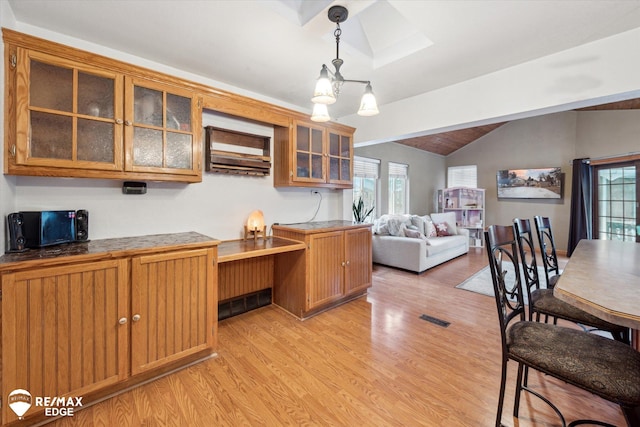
(446, 143)
(273, 49)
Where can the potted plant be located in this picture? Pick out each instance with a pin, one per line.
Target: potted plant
(360, 213)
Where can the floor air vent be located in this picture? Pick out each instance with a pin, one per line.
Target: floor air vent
(244, 303)
(435, 321)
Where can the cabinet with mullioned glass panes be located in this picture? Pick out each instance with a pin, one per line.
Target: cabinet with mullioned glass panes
(76, 119)
(313, 155)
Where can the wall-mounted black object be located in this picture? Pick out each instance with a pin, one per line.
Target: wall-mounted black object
(15, 234)
(134, 187)
(82, 225)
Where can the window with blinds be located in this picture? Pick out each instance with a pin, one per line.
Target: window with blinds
(398, 188)
(366, 173)
(462, 176)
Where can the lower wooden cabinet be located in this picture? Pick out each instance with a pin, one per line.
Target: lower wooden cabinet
(337, 268)
(171, 307)
(78, 328)
(60, 330)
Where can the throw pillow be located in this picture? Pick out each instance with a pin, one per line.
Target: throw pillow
(430, 229)
(408, 232)
(442, 229)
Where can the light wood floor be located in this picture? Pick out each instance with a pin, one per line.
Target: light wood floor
(371, 362)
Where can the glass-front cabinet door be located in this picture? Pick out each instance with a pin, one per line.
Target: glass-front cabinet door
(72, 116)
(339, 158)
(309, 158)
(160, 128)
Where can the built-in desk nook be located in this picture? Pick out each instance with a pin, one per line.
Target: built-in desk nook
(246, 272)
(89, 319)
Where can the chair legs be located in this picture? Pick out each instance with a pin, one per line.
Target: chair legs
(503, 383)
(632, 415)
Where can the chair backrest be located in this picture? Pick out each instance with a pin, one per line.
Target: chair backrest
(526, 249)
(547, 246)
(505, 273)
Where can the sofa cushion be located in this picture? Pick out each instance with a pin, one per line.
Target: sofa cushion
(391, 225)
(416, 234)
(430, 229)
(448, 217)
(440, 244)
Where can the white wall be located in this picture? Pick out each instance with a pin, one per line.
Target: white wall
(218, 207)
(547, 141)
(594, 73)
(426, 174)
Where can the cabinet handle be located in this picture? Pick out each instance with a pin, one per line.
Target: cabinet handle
(123, 320)
(127, 122)
(119, 121)
(13, 150)
(135, 317)
(343, 263)
(348, 262)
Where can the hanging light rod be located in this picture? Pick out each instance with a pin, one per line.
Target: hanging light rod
(329, 83)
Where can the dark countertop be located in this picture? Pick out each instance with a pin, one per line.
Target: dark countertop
(320, 226)
(104, 249)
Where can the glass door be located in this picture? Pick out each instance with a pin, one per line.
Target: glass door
(309, 160)
(74, 114)
(159, 129)
(616, 199)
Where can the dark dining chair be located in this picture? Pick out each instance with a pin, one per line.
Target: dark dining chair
(547, 250)
(604, 367)
(543, 302)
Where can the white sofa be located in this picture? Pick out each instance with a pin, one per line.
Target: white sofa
(392, 247)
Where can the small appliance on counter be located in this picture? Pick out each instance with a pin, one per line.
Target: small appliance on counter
(36, 229)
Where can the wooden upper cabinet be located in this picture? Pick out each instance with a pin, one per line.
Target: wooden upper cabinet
(69, 115)
(313, 155)
(160, 123)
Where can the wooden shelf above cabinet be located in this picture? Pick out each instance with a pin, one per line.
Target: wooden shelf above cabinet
(237, 162)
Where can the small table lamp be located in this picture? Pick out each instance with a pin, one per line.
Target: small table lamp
(255, 225)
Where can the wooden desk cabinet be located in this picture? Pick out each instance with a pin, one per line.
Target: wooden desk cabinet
(95, 317)
(337, 268)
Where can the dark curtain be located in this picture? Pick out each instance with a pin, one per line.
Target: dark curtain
(580, 225)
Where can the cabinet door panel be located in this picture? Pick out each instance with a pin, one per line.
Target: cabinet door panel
(174, 297)
(340, 158)
(60, 330)
(309, 156)
(326, 269)
(359, 261)
(68, 114)
(162, 121)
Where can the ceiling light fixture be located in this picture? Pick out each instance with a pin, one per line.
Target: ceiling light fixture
(329, 83)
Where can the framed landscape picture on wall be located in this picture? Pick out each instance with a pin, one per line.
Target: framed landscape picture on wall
(544, 183)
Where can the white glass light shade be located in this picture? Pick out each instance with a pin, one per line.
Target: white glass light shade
(323, 93)
(320, 113)
(368, 104)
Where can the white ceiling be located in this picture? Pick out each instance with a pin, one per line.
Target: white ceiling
(276, 48)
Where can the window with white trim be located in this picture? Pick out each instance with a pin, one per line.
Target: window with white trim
(462, 176)
(398, 188)
(366, 174)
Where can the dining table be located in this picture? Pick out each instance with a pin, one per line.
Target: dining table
(602, 277)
